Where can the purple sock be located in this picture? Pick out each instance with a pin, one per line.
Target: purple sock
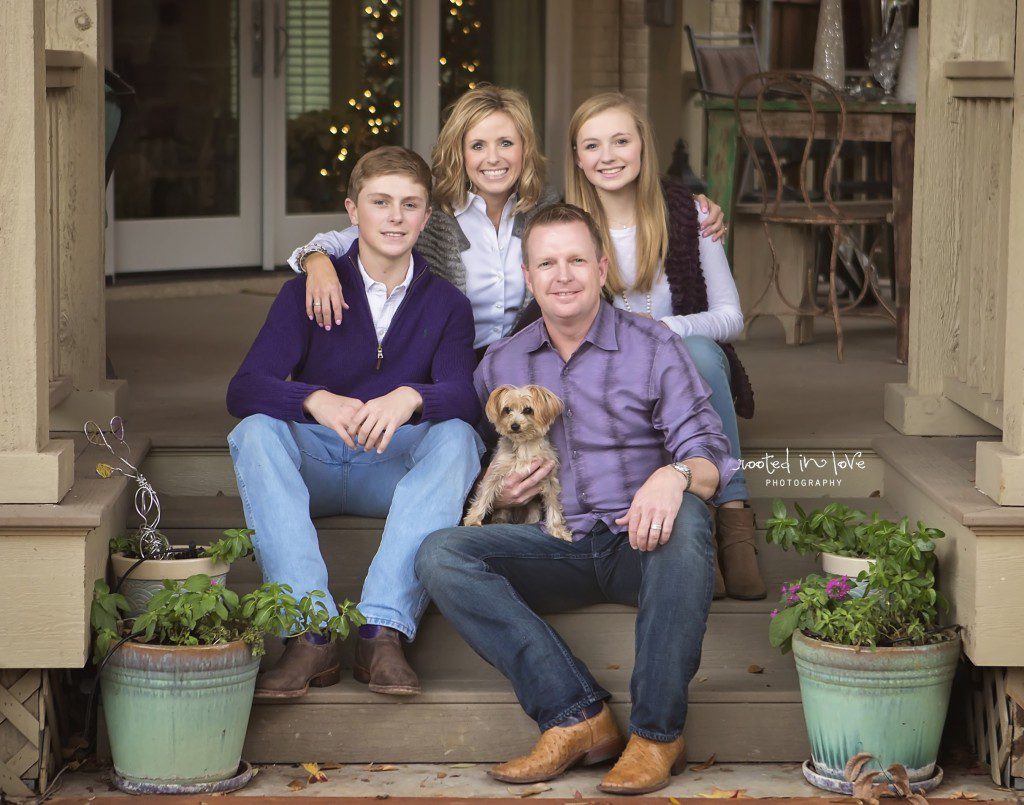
(369, 631)
(582, 715)
(315, 639)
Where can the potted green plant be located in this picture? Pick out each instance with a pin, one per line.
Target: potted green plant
(139, 577)
(177, 682)
(875, 670)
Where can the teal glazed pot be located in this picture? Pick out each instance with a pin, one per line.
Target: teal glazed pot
(178, 714)
(889, 702)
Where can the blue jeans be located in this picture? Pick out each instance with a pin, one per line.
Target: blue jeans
(491, 581)
(714, 368)
(290, 472)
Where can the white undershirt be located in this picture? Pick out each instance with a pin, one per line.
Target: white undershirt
(494, 274)
(383, 306)
(722, 321)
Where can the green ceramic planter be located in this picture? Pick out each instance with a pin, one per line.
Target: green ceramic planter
(890, 702)
(178, 714)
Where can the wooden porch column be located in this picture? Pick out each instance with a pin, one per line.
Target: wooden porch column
(77, 124)
(952, 29)
(999, 466)
(33, 468)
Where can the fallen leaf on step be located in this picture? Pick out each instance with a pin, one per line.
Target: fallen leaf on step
(755, 669)
(330, 766)
(876, 494)
(381, 767)
(577, 795)
(673, 800)
(296, 785)
(963, 795)
(315, 775)
(382, 796)
(441, 775)
(529, 791)
(727, 793)
(461, 765)
(707, 764)
(702, 679)
(614, 667)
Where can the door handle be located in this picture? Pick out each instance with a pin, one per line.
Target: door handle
(257, 38)
(280, 40)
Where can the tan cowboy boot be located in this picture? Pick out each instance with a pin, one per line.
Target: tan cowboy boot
(560, 748)
(645, 766)
(380, 662)
(303, 664)
(737, 554)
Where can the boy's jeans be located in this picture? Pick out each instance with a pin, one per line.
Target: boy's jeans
(289, 472)
(490, 582)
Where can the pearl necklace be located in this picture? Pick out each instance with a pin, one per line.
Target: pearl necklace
(629, 307)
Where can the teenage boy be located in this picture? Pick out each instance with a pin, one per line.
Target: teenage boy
(641, 451)
(369, 418)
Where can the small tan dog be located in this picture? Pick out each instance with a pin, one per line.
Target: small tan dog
(522, 416)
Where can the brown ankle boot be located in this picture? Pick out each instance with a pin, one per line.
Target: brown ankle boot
(737, 554)
(302, 664)
(380, 662)
(560, 748)
(645, 766)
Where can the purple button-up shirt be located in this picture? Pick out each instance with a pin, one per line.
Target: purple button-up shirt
(633, 401)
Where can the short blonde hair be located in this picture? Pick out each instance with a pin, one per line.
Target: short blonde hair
(562, 213)
(450, 181)
(651, 211)
(387, 160)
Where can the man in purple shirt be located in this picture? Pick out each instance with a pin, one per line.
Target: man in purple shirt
(640, 451)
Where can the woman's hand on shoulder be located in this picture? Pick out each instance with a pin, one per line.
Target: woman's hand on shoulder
(324, 300)
(714, 225)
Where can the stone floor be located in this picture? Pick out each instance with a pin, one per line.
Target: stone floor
(754, 780)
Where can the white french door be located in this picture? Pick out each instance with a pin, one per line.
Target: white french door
(251, 113)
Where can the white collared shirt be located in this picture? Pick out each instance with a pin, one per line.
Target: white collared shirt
(494, 274)
(382, 306)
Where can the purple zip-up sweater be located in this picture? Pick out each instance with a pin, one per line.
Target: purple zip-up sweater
(428, 347)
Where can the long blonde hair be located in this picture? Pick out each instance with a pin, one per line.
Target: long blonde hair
(651, 212)
(449, 164)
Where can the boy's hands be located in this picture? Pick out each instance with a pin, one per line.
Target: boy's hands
(323, 287)
(335, 412)
(377, 420)
(367, 425)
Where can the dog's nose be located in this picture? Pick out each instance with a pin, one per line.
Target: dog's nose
(515, 427)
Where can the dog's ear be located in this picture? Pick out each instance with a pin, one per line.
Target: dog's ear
(546, 404)
(495, 402)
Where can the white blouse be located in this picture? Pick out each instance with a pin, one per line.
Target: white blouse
(722, 321)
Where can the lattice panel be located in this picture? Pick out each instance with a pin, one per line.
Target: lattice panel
(24, 736)
(997, 724)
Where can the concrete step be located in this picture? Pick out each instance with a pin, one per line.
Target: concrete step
(468, 712)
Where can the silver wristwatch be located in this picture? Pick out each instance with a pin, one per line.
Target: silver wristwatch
(679, 466)
(306, 251)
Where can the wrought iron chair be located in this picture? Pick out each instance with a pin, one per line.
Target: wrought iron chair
(722, 61)
(825, 113)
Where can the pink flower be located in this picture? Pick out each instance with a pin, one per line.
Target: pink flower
(773, 613)
(838, 589)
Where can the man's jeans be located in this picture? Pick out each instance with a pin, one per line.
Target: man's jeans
(288, 472)
(490, 582)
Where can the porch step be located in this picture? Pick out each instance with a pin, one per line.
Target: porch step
(468, 712)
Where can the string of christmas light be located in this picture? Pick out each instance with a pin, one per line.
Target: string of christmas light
(462, 52)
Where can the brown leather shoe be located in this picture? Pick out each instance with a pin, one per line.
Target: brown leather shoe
(645, 766)
(560, 748)
(302, 664)
(380, 662)
(737, 554)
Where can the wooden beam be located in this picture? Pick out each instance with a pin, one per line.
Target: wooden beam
(62, 68)
(33, 469)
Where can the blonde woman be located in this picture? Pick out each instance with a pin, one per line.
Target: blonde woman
(660, 267)
(489, 175)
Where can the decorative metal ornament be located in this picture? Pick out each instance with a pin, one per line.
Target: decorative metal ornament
(152, 544)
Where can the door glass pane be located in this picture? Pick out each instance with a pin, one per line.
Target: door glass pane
(178, 154)
(344, 93)
(499, 41)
